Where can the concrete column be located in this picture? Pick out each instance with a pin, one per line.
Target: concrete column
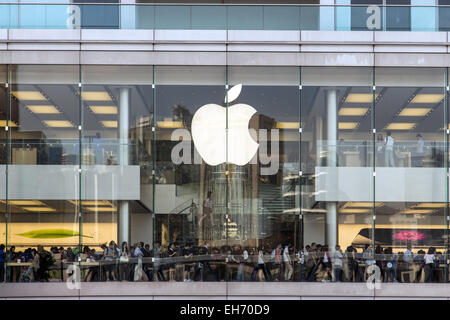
(124, 211)
(331, 220)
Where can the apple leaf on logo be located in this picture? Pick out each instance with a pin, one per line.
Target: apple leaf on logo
(233, 93)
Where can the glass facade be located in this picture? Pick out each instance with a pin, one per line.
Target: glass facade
(211, 173)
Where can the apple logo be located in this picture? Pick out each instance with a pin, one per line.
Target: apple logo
(209, 132)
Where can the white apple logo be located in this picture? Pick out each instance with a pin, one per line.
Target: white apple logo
(209, 132)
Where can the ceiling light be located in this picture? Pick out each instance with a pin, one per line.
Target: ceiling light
(101, 209)
(39, 209)
(104, 109)
(347, 125)
(24, 202)
(428, 98)
(355, 211)
(109, 124)
(352, 111)
(430, 205)
(28, 95)
(43, 109)
(418, 211)
(92, 202)
(95, 96)
(363, 204)
(360, 98)
(10, 123)
(400, 126)
(169, 124)
(414, 112)
(58, 123)
(287, 125)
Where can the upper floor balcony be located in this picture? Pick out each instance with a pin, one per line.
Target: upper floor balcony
(424, 15)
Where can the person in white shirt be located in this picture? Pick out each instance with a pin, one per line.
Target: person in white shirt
(288, 269)
(389, 150)
(429, 259)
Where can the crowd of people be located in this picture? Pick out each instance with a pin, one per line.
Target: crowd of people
(190, 262)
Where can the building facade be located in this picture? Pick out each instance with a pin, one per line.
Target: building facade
(230, 127)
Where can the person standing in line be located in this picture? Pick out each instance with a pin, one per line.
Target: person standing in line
(288, 270)
(337, 264)
(276, 257)
(389, 150)
(429, 260)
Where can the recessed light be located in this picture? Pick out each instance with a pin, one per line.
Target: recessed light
(95, 96)
(58, 123)
(363, 204)
(39, 209)
(101, 209)
(352, 111)
(354, 211)
(400, 126)
(28, 95)
(287, 125)
(44, 109)
(414, 112)
(347, 125)
(418, 211)
(104, 109)
(360, 98)
(109, 124)
(169, 124)
(428, 98)
(92, 202)
(24, 202)
(430, 205)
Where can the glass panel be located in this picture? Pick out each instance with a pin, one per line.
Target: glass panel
(398, 18)
(281, 18)
(145, 17)
(263, 211)
(336, 170)
(189, 178)
(245, 18)
(410, 180)
(424, 18)
(444, 15)
(173, 17)
(43, 103)
(117, 168)
(362, 14)
(99, 16)
(209, 17)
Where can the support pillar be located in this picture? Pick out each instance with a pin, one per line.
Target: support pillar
(124, 211)
(331, 220)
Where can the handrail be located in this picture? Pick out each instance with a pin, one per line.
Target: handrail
(231, 4)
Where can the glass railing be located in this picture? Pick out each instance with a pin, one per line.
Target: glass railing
(214, 265)
(360, 154)
(66, 152)
(225, 17)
